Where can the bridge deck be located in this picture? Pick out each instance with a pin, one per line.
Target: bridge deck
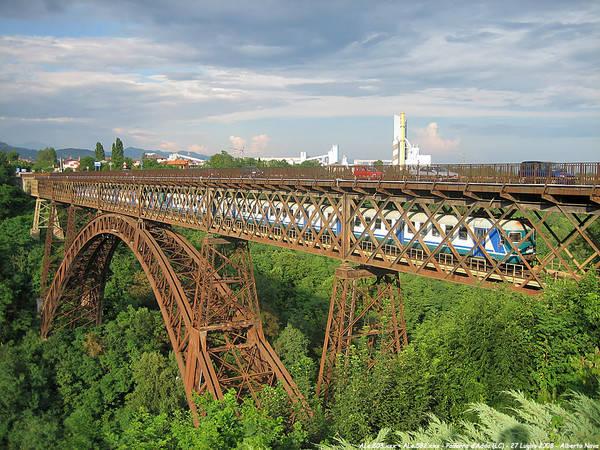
(231, 202)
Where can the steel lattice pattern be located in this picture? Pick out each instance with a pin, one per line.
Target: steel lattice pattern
(366, 304)
(475, 234)
(210, 309)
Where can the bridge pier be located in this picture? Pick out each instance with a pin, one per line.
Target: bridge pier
(44, 210)
(46, 216)
(234, 353)
(365, 303)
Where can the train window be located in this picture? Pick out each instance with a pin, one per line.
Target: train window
(435, 232)
(378, 223)
(278, 211)
(462, 233)
(357, 222)
(424, 231)
(448, 229)
(415, 224)
(389, 223)
(514, 237)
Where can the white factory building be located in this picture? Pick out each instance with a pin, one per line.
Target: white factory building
(330, 158)
(192, 160)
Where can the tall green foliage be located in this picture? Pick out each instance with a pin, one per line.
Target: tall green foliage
(485, 343)
(225, 160)
(527, 424)
(46, 160)
(99, 152)
(117, 156)
(86, 164)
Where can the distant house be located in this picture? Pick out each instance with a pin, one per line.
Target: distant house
(72, 164)
(154, 156)
(179, 163)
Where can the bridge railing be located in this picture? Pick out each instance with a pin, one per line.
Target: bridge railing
(585, 173)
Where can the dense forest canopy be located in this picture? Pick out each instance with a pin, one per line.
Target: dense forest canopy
(117, 385)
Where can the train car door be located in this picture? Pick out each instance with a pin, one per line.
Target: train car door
(400, 231)
(479, 234)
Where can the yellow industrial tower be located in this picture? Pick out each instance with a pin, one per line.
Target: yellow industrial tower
(399, 142)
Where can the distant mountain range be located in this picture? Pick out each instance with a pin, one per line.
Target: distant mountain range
(130, 152)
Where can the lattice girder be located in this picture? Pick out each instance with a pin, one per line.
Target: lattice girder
(337, 219)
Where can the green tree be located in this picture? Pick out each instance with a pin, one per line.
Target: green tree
(86, 163)
(223, 160)
(292, 348)
(378, 163)
(99, 152)
(157, 385)
(46, 160)
(12, 199)
(12, 156)
(117, 155)
(146, 431)
(148, 163)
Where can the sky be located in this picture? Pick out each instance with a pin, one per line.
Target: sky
(479, 81)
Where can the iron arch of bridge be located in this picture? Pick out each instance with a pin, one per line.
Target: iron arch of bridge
(214, 352)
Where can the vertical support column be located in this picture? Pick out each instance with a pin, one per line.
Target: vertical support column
(35, 227)
(52, 219)
(77, 218)
(208, 215)
(41, 219)
(347, 226)
(365, 303)
(233, 351)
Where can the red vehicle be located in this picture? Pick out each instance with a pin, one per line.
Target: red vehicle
(367, 173)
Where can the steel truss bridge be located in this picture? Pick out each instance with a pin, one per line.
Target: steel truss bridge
(208, 298)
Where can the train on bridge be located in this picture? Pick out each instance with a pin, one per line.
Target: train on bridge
(509, 241)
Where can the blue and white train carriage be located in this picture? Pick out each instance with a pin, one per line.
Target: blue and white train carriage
(464, 239)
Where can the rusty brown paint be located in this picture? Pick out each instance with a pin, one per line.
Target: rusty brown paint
(213, 325)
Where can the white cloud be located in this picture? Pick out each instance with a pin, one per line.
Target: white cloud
(166, 86)
(198, 148)
(237, 142)
(430, 140)
(137, 135)
(169, 146)
(259, 143)
(44, 119)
